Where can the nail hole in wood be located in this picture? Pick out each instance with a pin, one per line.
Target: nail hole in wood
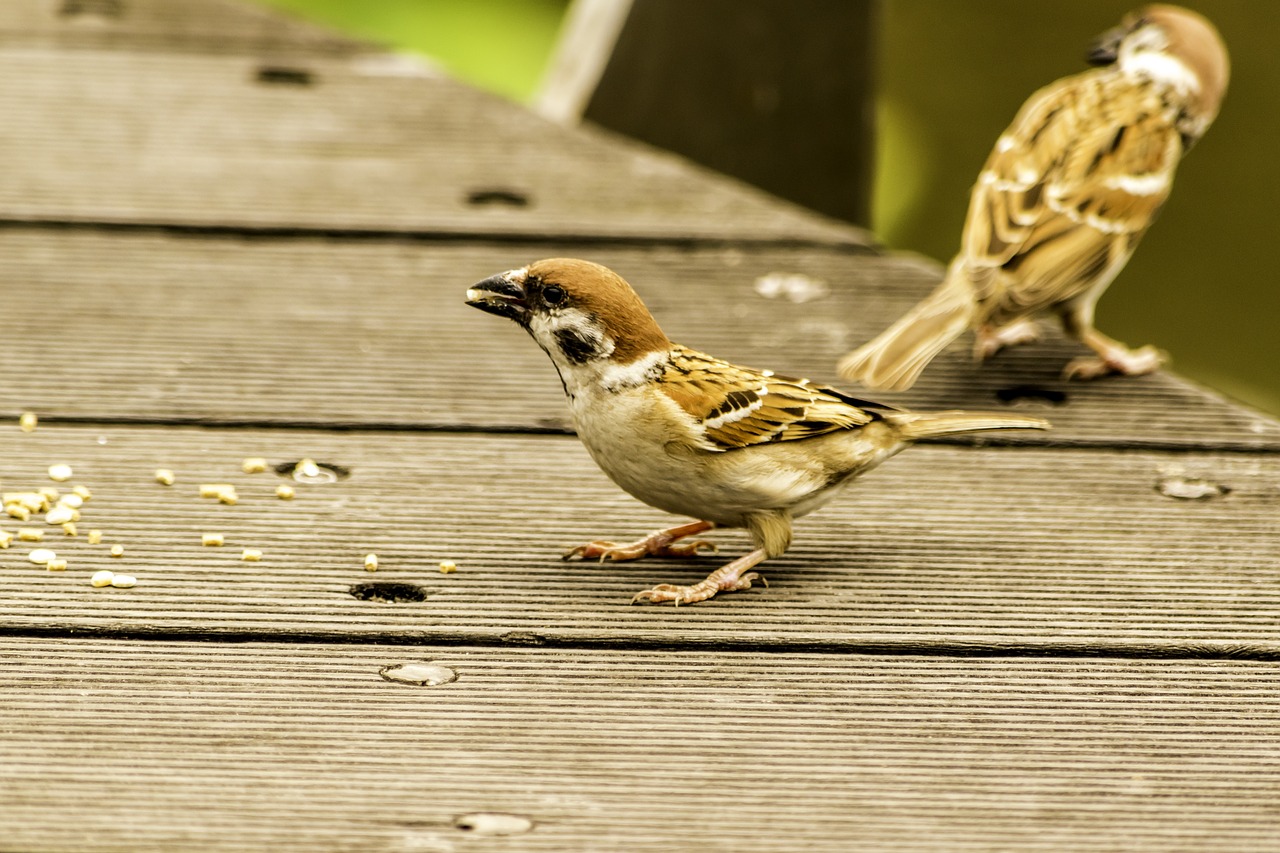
(94, 8)
(1031, 392)
(389, 592)
(321, 473)
(510, 198)
(281, 75)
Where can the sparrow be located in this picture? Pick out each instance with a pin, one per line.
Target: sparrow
(693, 435)
(1065, 196)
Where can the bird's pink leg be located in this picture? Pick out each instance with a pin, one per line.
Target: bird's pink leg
(989, 341)
(728, 577)
(660, 544)
(1113, 357)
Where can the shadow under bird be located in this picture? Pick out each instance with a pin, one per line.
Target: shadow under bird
(693, 435)
(1065, 196)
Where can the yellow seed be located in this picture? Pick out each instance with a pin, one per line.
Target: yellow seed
(56, 565)
(82, 492)
(59, 472)
(60, 515)
(448, 566)
(254, 465)
(165, 477)
(371, 562)
(285, 493)
(102, 578)
(229, 497)
(5, 538)
(95, 536)
(123, 581)
(251, 555)
(49, 494)
(17, 511)
(69, 528)
(28, 422)
(117, 550)
(213, 490)
(41, 556)
(212, 539)
(30, 534)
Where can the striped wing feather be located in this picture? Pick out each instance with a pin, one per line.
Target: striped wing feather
(739, 407)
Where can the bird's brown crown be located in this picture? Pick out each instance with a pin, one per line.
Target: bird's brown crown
(604, 295)
(1195, 41)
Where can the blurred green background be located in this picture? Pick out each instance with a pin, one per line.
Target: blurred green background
(1197, 287)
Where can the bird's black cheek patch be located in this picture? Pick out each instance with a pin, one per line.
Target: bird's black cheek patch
(577, 347)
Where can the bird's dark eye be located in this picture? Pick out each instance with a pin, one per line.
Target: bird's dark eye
(553, 294)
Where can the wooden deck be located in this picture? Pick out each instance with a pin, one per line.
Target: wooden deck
(224, 234)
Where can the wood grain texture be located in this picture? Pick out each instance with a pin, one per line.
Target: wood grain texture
(173, 26)
(945, 548)
(159, 746)
(362, 143)
(319, 332)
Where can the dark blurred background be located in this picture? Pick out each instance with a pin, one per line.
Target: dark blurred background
(951, 75)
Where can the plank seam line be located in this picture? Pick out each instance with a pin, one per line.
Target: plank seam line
(409, 235)
(530, 429)
(524, 639)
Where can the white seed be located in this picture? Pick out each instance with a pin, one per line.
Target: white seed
(95, 536)
(308, 468)
(69, 528)
(60, 472)
(285, 493)
(448, 566)
(30, 534)
(370, 562)
(251, 555)
(56, 565)
(73, 500)
(165, 477)
(28, 422)
(123, 581)
(6, 538)
(117, 550)
(254, 465)
(40, 556)
(60, 515)
(212, 539)
(102, 578)
(82, 492)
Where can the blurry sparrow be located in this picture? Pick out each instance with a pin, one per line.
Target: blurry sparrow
(1066, 195)
(693, 435)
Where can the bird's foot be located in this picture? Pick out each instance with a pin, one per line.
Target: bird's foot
(660, 544)
(990, 341)
(1117, 360)
(728, 578)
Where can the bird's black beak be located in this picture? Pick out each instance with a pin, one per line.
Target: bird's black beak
(502, 295)
(1106, 47)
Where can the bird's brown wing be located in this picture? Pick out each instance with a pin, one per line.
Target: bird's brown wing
(739, 407)
(1068, 191)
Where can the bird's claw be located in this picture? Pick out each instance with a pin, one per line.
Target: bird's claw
(990, 341)
(664, 592)
(1123, 362)
(636, 550)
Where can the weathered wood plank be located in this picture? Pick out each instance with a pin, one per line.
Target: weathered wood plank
(943, 548)
(197, 26)
(349, 144)
(320, 332)
(157, 746)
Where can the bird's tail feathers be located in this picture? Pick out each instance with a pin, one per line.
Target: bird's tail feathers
(917, 425)
(894, 360)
